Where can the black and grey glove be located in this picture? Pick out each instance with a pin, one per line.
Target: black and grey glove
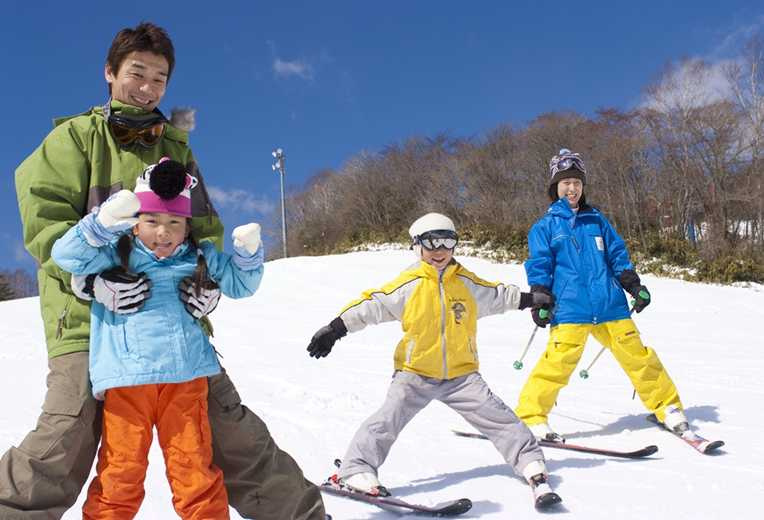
(116, 289)
(633, 285)
(322, 341)
(541, 301)
(537, 300)
(202, 304)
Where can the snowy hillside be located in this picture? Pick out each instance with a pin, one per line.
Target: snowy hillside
(707, 336)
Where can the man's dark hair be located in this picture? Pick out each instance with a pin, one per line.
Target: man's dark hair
(145, 37)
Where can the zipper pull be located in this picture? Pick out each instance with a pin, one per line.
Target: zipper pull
(60, 328)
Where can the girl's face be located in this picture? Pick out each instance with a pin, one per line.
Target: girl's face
(571, 189)
(161, 232)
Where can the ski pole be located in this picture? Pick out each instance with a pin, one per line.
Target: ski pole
(518, 364)
(584, 374)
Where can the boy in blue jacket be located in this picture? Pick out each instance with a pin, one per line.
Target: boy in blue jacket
(150, 366)
(576, 254)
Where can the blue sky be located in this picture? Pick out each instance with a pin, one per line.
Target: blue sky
(326, 80)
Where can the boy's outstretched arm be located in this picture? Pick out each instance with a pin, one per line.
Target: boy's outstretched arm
(374, 306)
(497, 298)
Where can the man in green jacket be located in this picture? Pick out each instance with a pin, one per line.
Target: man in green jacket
(79, 164)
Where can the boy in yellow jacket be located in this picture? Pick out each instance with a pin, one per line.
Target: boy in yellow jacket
(438, 303)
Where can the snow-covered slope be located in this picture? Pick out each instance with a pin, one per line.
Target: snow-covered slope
(707, 336)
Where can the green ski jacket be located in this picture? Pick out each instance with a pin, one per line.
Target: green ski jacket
(77, 166)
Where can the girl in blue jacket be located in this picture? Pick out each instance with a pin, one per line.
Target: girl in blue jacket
(150, 366)
(576, 254)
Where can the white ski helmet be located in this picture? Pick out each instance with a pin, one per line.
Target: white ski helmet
(431, 222)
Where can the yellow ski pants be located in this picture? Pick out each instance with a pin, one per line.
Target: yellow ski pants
(564, 350)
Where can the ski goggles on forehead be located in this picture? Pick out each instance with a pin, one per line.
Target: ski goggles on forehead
(145, 131)
(566, 163)
(433, 240)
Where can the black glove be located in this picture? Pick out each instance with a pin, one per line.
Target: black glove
(119, 291)
(202, 304)
(541, 303)
(323, 340)
(632, 285)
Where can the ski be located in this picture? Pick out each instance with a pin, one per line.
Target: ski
(701, 444)
(395, 505)
(636, 454)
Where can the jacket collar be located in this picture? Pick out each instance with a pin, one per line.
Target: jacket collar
(123, 109)
(561, 208)
(430, 272)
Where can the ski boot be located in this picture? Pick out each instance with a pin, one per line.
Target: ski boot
(366, 482)
(536, 475)
(542, 492)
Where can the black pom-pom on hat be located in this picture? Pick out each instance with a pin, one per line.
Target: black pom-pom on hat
(168, 179)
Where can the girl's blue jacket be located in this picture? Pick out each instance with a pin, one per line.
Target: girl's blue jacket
(161, 343)
(579, 257)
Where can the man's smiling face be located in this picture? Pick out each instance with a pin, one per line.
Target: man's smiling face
(141, 80)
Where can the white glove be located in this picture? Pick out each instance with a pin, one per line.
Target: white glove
(117, 213)
(247, 237)
(119, 291)
(115, 216)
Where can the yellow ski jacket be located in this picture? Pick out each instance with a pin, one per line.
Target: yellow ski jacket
(438, 312)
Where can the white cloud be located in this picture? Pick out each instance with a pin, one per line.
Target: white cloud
(286, 69)
(239, 200)
(693, 84)
(705, 80)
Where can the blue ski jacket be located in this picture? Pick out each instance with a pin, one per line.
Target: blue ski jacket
(161, 342)
(578, 256)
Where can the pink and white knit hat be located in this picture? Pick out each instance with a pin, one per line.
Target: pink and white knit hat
(165, 187)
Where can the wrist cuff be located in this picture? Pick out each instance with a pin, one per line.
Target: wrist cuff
(339, 327)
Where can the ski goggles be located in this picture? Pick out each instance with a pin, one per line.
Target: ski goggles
(566, 162)
(144, 131)
(442, 239)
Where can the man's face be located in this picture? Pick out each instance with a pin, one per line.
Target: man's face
(161, 232)
(141, 80)
(571, 189)
(438, 258)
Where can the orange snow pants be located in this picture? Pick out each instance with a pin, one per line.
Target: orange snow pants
(179, 412)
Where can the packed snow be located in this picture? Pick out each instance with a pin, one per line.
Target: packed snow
(706, 336)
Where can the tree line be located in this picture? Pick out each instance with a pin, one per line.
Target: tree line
(17, 284)
(680, 176)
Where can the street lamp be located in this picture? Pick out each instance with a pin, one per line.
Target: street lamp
(278, 165)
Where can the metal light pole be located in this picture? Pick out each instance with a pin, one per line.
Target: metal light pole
(278, 165)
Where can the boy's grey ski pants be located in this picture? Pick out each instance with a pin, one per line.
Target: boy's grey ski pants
(468, 395)
(42, 478)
